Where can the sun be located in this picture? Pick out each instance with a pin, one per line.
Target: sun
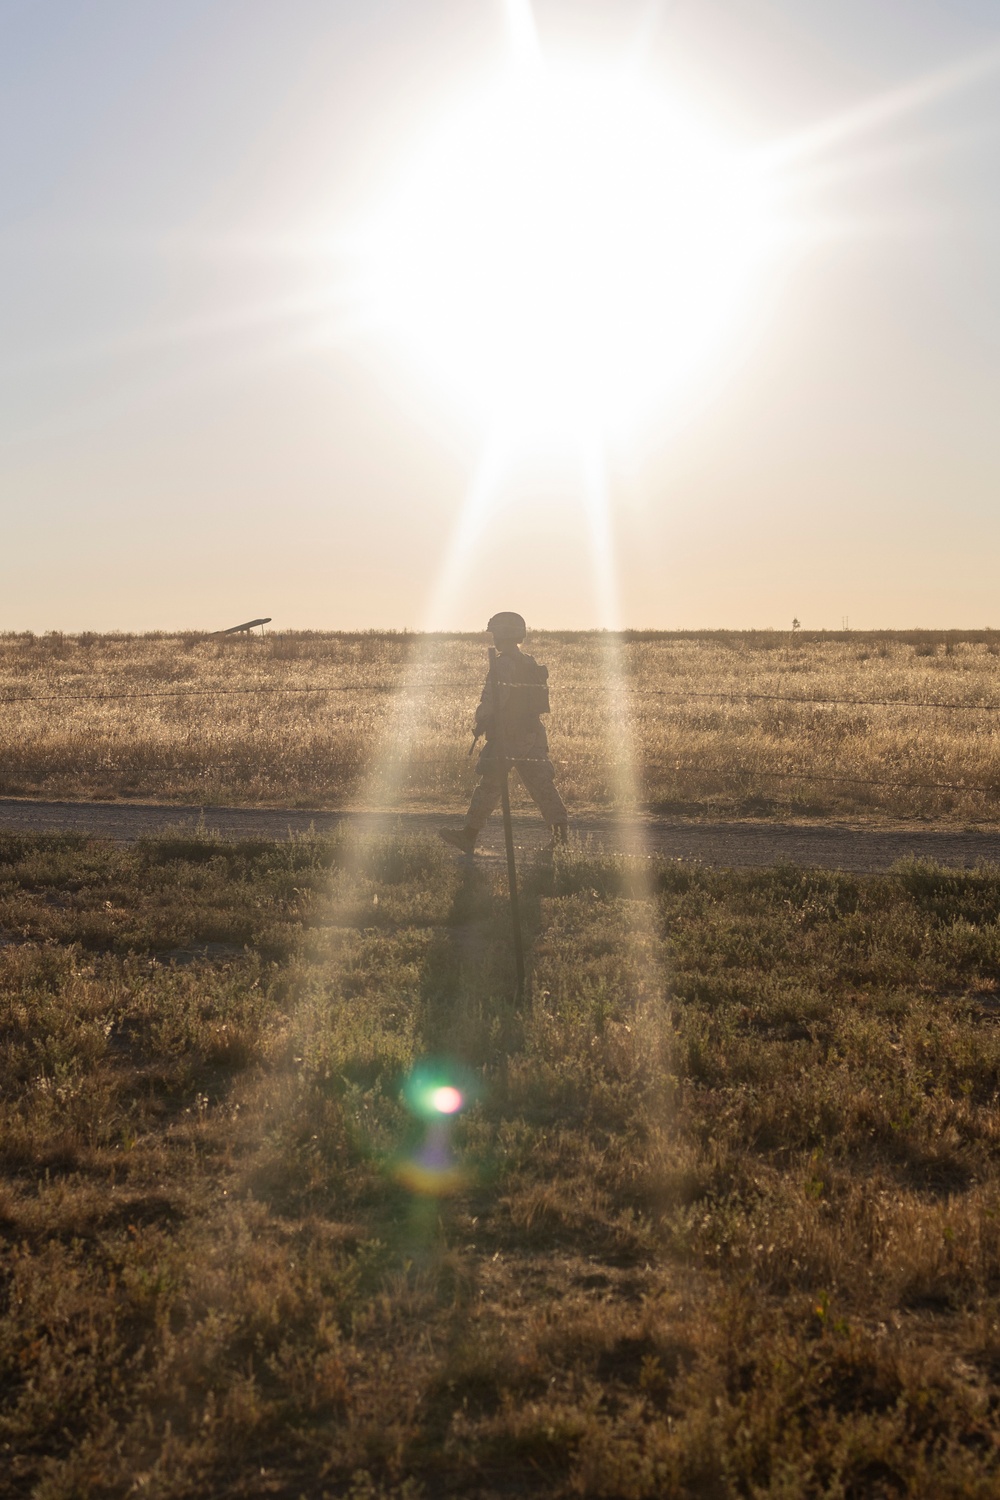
(566, 252)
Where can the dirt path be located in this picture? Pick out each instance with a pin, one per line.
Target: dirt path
(833, 846)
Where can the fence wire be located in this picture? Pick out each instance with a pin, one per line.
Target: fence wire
(730, 774)
(434, 687)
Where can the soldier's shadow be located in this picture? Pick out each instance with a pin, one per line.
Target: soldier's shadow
(470, 1012)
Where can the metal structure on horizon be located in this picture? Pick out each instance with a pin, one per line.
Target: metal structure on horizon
(246, 627)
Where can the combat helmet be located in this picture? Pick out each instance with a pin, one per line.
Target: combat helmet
(507, 626)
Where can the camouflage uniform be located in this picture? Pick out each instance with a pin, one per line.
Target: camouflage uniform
(524, 697)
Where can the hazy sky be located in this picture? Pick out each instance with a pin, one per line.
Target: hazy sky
(196, 427)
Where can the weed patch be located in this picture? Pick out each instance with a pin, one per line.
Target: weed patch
(721, 1216)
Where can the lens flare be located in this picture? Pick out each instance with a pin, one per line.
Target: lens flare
(432, 1170)
(436, 1093)
(447, 1100)
(436, 1089)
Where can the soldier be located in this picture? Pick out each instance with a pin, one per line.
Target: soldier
(523, 698)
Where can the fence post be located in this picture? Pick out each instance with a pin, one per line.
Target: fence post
(500, 739)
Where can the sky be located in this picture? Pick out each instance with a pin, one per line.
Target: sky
(206, 413)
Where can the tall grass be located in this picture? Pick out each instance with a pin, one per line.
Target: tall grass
(391, 722)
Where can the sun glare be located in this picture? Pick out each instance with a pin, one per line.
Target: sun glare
(566, 252)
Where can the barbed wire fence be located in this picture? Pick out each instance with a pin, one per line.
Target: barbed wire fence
(433, 687)
(666, 695)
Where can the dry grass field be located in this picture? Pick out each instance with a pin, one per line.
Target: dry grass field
(725, 1207)
(210, 721)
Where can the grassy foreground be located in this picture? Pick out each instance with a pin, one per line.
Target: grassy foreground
(393, 729)
(725, 1217)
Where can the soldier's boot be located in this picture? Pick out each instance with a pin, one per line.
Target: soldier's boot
(460, 838)
(560, 833)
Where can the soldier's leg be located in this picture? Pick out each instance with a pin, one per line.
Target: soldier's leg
(484, 802)
(539, 779)
(485, 799)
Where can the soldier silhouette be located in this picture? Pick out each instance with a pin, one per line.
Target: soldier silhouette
(522, 697)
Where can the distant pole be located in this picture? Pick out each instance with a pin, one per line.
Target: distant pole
(508, 827)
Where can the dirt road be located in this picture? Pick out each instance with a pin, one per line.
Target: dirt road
(733, 845)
